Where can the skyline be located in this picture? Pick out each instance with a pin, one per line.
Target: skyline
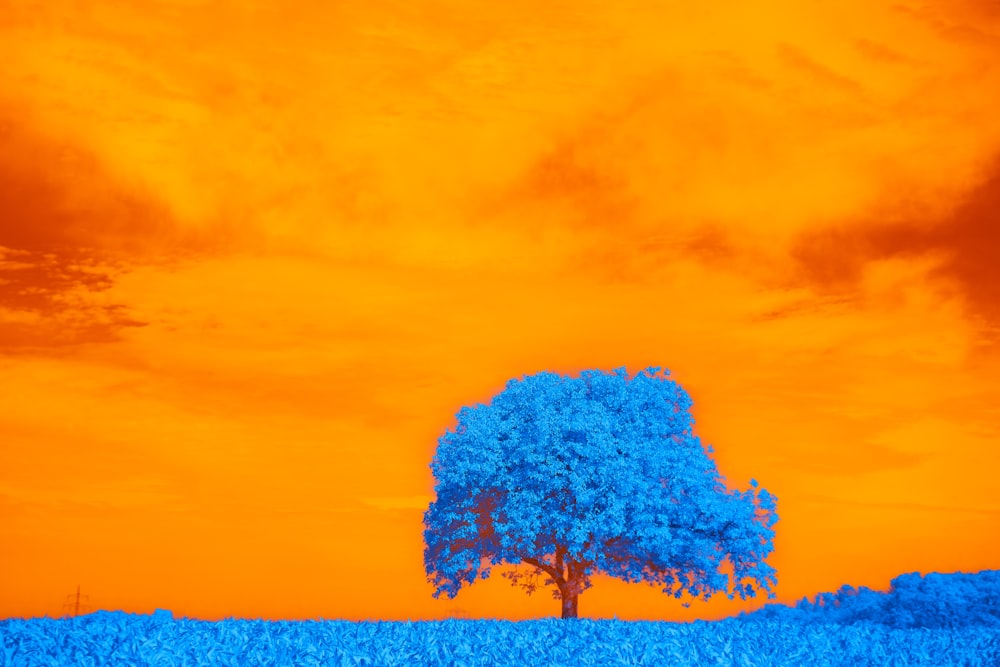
(254, 259)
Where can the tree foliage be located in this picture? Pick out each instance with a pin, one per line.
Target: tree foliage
(934, 600)
(597, 473)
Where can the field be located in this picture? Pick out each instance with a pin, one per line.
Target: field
(116, 638)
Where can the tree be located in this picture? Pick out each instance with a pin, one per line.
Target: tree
(598, 473)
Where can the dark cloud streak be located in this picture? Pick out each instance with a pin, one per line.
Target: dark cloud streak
(67, 229)
(832, 261)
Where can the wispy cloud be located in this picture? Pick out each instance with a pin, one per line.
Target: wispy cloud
(390, 503)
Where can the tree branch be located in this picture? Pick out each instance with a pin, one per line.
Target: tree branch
(556, 575)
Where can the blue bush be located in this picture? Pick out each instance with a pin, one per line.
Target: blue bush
(913, 600)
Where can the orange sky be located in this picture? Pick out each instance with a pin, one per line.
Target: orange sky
(253, 260)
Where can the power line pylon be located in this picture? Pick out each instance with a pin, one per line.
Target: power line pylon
(73, 603)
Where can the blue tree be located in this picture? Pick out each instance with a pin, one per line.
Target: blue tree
(597, 473)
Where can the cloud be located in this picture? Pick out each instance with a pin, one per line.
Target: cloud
(962, 247)
(90, 435)
(58, 195)
(823, 75)
(972, 22)
(900, 506)
(388, 503)
(153, 492)
(882, 53)
(510, 137)
(67, 232)
(971, 238)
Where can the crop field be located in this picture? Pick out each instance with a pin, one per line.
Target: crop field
(117, 638)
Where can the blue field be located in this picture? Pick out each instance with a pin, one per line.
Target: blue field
(935, 620)
(129, 639)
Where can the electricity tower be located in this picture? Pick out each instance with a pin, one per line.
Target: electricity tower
(74, 605)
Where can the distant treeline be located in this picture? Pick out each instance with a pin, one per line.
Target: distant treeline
(913, 601)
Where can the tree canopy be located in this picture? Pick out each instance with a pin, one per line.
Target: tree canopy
(596, 473)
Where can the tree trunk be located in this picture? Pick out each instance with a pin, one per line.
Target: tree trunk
(569, 604)
(570, 588)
